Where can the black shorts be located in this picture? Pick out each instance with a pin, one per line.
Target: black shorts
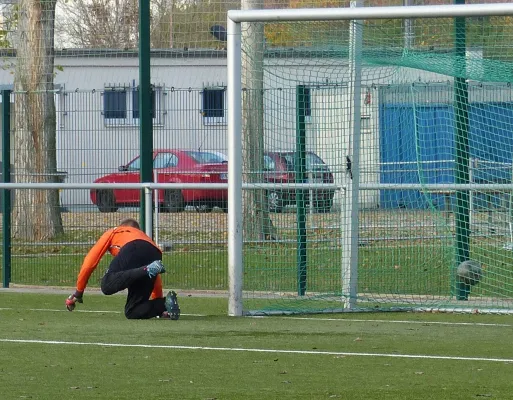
(136, 254)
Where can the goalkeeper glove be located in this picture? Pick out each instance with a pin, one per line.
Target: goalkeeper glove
(73, 299)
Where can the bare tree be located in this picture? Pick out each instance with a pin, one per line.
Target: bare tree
(112, 24)
(36, 213)
(8, 23)
(162, 13)
(257, 223)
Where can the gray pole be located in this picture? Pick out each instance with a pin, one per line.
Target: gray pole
(361, 13)
(462, 150)
(351, 195)
(234, 169)
(409, 29)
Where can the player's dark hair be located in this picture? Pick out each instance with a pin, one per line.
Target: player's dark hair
(130, 222)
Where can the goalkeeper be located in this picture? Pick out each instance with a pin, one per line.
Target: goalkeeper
(136, 266)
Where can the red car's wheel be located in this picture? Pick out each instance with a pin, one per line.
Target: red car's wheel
(323, 204)
(204, 208)
(173, 201)
(275, 201)
(105, 201)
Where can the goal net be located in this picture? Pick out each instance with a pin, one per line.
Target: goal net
(370, 154)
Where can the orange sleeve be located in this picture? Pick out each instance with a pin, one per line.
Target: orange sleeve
(157, 289)
(92, 259)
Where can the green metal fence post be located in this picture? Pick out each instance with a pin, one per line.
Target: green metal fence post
(6, 193)
(300, 170)
(462, 219)
(145, 117)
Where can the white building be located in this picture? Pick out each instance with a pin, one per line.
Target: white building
(98, 125)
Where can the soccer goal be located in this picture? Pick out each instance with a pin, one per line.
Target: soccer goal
(370, 153)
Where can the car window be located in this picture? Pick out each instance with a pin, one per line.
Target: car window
(134, 165)
(313, 161)
(173, 161)
(205, 157)
(269, 164)
(165, 160)
(289, 161)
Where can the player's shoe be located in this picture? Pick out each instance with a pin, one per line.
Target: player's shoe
(172, 305)
(155, 268)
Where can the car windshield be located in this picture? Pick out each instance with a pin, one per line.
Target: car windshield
(313, 161)
(206, 157)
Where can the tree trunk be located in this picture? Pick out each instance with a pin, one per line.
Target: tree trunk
(36, 214)
(257, 223)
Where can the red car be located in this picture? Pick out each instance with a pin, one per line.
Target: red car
(171, 166)
(280, 167)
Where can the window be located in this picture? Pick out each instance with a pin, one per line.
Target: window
(114, 104)
(165, 160)
(206, 157)
(308, 104)
(121, 105)
(8, 87)
(134, 165)
(312, 161)
(365, 124)
(213, 106)
(269, 164)
(135, 103)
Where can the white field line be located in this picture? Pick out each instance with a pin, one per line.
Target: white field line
(252, 350)
(296, 318)
(79, 311)
(397, 321)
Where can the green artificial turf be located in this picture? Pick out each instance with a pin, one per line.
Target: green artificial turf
(95, 353)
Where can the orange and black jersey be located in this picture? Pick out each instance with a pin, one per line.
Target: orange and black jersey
(113, 240)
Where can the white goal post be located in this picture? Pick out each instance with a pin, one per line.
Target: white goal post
(234, 107)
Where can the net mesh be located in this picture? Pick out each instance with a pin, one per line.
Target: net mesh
(74, 70)
(435, 110)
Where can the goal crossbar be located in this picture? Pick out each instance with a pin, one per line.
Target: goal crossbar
(313, 14)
